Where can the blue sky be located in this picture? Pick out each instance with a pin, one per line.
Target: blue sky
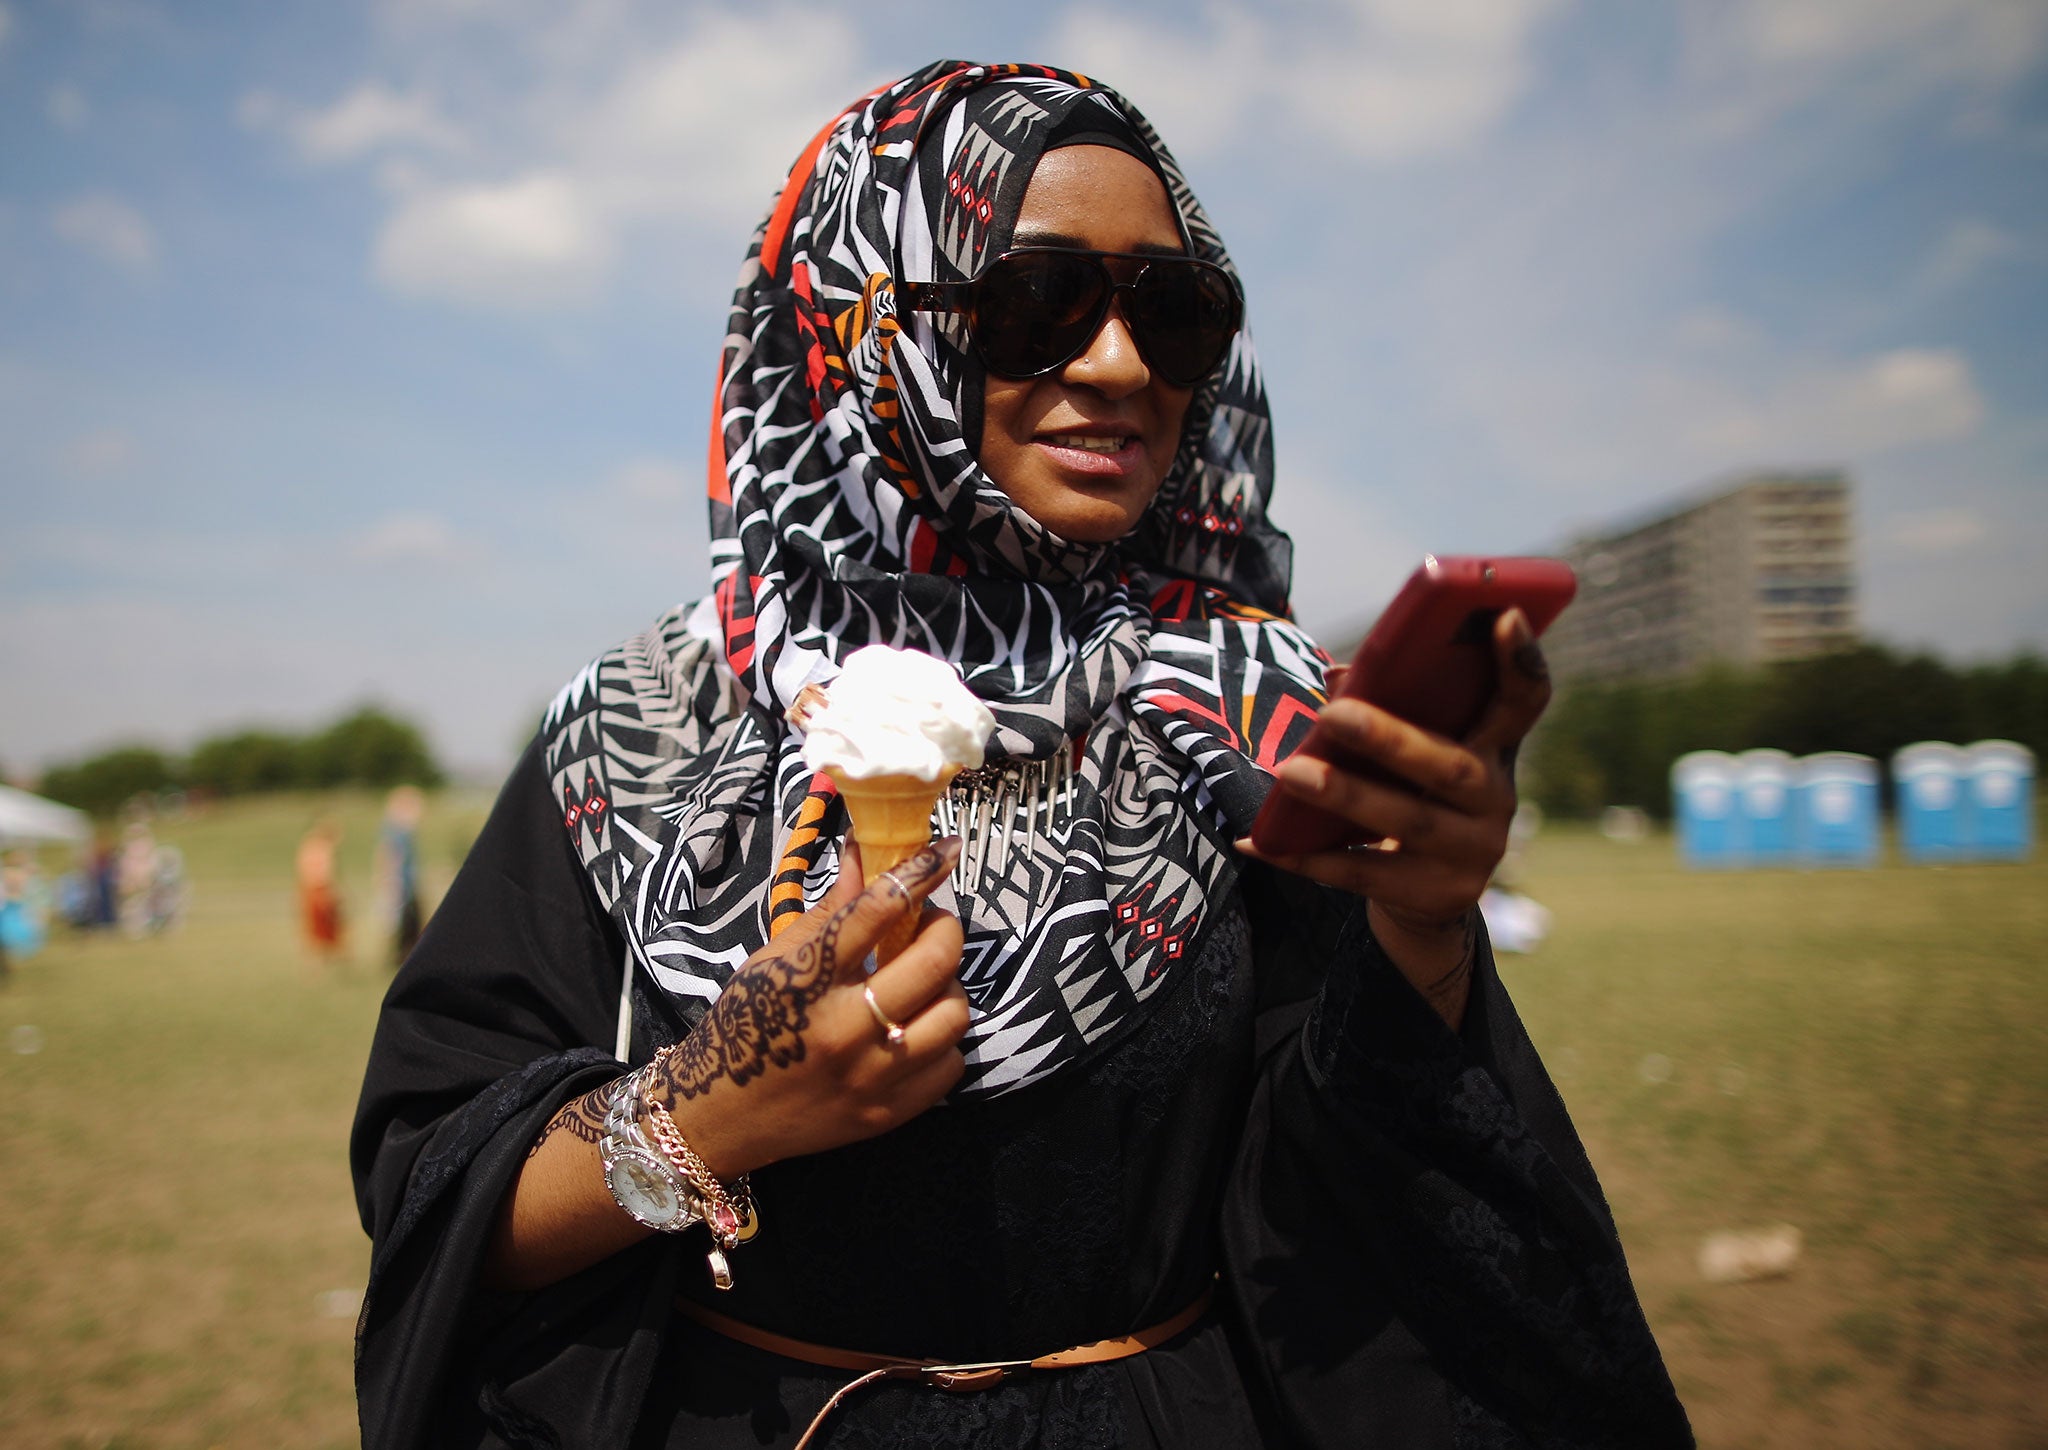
(364, 352)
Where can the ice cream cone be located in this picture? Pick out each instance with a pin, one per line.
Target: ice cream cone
(892, 820)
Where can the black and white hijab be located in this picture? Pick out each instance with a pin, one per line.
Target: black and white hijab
(848, 508)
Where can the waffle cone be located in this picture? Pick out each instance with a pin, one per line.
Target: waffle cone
(892, 820)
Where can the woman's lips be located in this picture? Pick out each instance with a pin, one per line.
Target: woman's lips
(1119, 460)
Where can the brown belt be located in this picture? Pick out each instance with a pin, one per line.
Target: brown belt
(873, 1368)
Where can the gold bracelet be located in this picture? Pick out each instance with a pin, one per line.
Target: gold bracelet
(729, 1214)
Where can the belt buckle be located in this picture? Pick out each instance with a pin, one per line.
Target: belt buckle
(968, 1378)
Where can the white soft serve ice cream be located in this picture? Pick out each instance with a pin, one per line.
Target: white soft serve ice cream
(896, 712)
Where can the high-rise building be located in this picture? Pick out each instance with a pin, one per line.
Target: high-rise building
(1762, 571)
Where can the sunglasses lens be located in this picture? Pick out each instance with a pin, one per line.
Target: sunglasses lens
(1034, 311)
(1184, 315)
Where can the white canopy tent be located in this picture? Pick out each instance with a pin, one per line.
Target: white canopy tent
(29, 820)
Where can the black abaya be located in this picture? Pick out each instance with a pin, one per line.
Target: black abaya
(1413, 1249)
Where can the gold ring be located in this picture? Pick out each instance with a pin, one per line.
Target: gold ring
(895, 883)
(891, 1029)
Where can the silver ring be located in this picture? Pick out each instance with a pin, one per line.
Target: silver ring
(895, 883)
(891, 1029)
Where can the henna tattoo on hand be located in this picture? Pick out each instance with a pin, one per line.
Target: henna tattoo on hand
(913, 870)
(926, 863)
(759, 1019)
(583, 1119)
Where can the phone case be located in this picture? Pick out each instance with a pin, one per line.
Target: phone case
(1428, 660)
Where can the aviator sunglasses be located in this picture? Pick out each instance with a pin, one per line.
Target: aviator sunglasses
(1034, 310)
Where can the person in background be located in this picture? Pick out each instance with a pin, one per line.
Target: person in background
(320, 912)
(167, 889)
(24, 908)
(15, 923)
(104, 880)
(398, 867)
(135, 876)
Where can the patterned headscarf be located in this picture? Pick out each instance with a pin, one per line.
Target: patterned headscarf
(848, 508)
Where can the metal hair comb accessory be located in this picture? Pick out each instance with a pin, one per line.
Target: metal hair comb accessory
(990, 808)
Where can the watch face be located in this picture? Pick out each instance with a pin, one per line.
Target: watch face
(643, 1190)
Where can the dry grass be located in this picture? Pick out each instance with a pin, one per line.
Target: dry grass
(1859, 1054)
(175, 1199)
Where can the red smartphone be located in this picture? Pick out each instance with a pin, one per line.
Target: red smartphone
(1428, 660)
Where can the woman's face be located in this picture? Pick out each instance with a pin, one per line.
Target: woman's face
(1083, 449)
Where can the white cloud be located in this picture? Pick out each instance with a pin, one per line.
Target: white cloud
(663, 135)
(1421, 76)
(1965, 250)
(1557, 304)
(1907, 396)
(521, 194)
(1989, 39)
(1585, 428)
(622, 134)
(1382, 80)
(1171, 75)
(1765, 58)
(67, 107)
(412, 538)
(534, 242)
(109, 228)
(1936, 532)
(372, 117)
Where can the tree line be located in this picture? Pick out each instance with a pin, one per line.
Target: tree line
(366, 748)
(1600, 744)
(1612, 743)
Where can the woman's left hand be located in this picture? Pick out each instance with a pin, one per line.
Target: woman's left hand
(1443, 837)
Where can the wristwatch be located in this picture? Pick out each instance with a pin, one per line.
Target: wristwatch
(646, 1186)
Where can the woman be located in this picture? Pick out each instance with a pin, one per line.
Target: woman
(1260, 1146)
(319, 878)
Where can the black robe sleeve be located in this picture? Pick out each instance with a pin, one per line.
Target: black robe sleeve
(1417, 1250)
(504, 1011)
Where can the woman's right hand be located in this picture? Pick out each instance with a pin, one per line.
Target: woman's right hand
(789, 1060)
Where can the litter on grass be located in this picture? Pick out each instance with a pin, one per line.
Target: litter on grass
(1624, 823)
(1735, 1258)
(1514, 922)
(338, 1303)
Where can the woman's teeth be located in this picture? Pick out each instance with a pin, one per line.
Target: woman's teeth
(1091, 442)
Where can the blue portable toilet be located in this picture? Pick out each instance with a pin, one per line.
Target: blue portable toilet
(1836, 806)
(1933, 810)
(1703, 799)
(2000, 795)
(1763, 796)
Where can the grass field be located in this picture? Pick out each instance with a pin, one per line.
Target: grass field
(1863, 1055)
